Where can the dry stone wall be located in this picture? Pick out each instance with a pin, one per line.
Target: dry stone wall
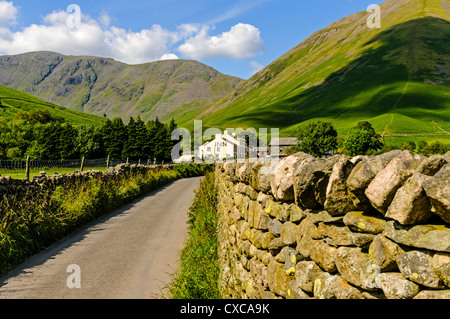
(15, 192)
(336, 228)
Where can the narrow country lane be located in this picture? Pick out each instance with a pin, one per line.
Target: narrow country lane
(128, 254)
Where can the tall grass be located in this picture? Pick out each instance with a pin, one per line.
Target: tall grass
(32, 222)
(199, 268)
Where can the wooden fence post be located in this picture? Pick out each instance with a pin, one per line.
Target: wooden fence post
(27, 169)
(82, 164)
(107, 162)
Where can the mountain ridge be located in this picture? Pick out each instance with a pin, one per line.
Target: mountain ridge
(166, 89)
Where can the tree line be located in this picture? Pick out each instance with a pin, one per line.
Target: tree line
(321, 138)
(40, 134)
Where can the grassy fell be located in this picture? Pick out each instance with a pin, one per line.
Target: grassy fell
(13, 102)
(395, 77)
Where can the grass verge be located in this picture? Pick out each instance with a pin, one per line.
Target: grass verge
(198, 275)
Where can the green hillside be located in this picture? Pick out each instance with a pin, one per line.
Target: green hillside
(13, 102)
(396, 77)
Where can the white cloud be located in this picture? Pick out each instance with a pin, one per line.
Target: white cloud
(105, 19)
(90, 37)
(62, 32)
(138, 47)
(188, 29)
(242, 41)
(8, 13)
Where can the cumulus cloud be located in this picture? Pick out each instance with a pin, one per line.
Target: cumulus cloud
(8, 13)
(89, 37)
(63, 32)
(242, 41)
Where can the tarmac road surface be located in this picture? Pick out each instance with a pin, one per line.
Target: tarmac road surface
(128, 254)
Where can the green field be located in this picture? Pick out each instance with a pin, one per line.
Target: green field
(13, 102)
(398, 141)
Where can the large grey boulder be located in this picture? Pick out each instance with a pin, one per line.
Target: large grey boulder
(324, 255)
(311, 182)
(261, 175)
(432, 237)
(244, 172)
(282, 181)
(396, 286)
(441, 267)
(338, 200)
(363, 173)
(295, 292)
(356, 267)
(341, 235)
(383, 187)
(417, 266)
(384, 252)
(411, 204)
(327, 286)
(288, 233)
(306, 273)
(433, 294)
(363, 222)
(437, 188)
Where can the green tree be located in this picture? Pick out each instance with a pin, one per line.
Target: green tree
(362, 139)
(38, 117)
(58, 141)
(317, 138)
(90, 142)
(158, 139)
(14, 153)
(409, 145)
(137, 145)
(421, 146)
(435, 148)
(169, 143)
(114, 136)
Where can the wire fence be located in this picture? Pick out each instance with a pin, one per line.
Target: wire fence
(19, 166)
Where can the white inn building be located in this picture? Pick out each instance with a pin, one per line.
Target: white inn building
(224, 146)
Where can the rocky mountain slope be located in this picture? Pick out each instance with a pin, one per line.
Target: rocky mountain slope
(169, 89)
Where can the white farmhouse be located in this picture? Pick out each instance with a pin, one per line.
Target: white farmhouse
(224, 146)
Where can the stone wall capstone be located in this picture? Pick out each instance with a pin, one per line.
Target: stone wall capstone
(335, 228)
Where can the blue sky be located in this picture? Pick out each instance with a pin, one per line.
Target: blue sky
(236, 37)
